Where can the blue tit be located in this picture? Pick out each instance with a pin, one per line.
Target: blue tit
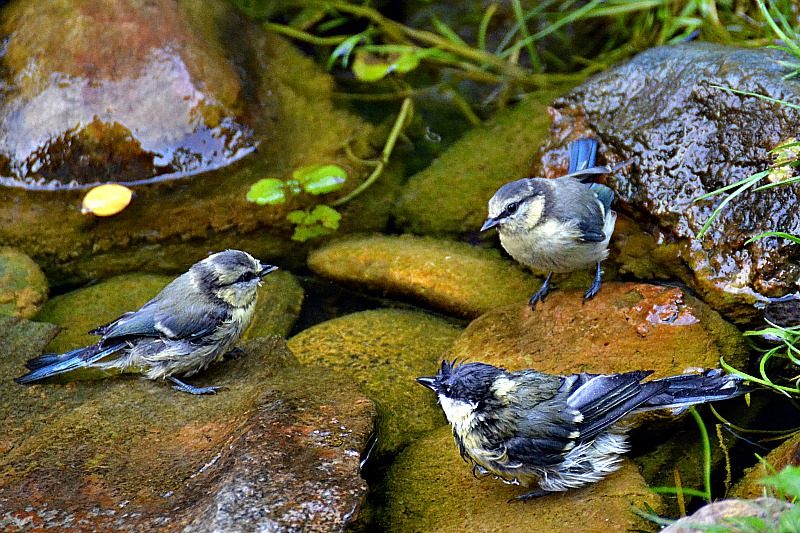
(190, 324)
(562, 431)
(557, 225)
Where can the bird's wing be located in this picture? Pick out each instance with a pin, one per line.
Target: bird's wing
(190, 322)
(604, 195)
(577, 204)
(135, 323)
(603, 400)
(592, 226)
(155, 319)
(544, 429)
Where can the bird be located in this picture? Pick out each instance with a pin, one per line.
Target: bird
(190, 324)
(557, 225)
(563, 432)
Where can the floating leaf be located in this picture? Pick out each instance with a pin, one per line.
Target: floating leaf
(327, 216)
(106, 200)
(303, 233)
(321, 179)
(299, 218)
(270, 191)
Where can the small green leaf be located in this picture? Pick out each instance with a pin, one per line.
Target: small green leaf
(344, 50)
(327, 216)
(268, 191)
(303, 233)
(369, 66)
(300, 218)
(321, 179)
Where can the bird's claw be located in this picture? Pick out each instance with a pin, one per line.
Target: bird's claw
(530, 495)
(234, 353)
(543, 291)
(191, 389)
(595, 288)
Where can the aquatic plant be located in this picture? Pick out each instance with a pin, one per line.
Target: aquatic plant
(512, 50)
(784, 485)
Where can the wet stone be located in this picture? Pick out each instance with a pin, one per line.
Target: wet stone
(23, 286)
(430, 488)
(454, 277)
(277, 449)
(697, 140)
(727, 514)
(384, 351)
(189, 105)
(627, 326)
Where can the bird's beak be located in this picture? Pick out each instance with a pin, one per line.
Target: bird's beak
(428, 382)
(489, 224)
(266, 269)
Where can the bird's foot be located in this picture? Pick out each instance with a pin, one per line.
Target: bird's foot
(530, 495)
(191, 389)
(234, 353)
(543, 291)
(595, 288)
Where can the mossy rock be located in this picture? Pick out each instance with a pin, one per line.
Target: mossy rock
(454, 277)
(384, 351)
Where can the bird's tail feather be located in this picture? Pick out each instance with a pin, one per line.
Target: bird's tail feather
(52, 364)
(690, 389)
(582, 154)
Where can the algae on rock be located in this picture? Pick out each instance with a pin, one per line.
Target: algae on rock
(384, 351)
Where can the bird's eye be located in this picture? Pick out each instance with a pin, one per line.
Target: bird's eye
(512, 208)
(247, 276)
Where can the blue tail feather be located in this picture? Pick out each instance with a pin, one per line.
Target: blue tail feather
(582, 154)
(51, 364)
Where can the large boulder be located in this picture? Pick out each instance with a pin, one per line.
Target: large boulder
(188, 104)
(277, 449)
(667, 111)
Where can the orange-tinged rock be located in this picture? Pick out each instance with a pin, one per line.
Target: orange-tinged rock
(627, 326)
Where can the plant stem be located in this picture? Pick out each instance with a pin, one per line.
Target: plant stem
(406, 110)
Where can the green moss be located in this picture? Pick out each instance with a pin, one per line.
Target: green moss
(384, 351)
(450, 196)
(23, 286)
(455, 277)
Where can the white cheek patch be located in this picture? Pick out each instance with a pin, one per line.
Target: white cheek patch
(533, 213)
(457, 411)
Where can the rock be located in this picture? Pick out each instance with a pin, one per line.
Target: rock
(188, 106)
(80, 311)
(454, 277)
(430, 488)
(627, 326)
(696, 140)
(451, 195)
(384, 351)
(278, 449)
(23, 286)
(724, 514)
(788, 453)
